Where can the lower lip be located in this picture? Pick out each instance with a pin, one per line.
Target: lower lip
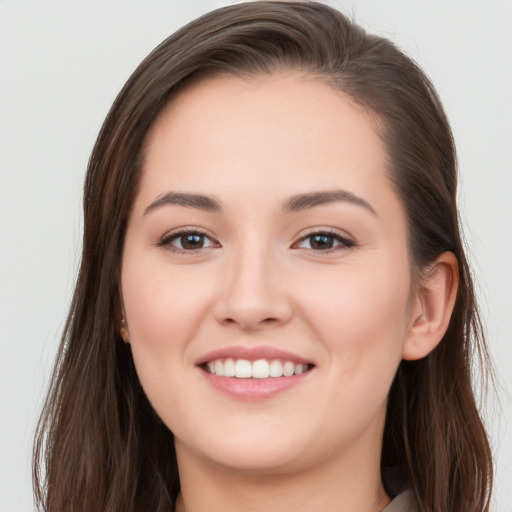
(253, 389)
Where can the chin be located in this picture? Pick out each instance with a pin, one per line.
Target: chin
(257, 461)
(255, 451)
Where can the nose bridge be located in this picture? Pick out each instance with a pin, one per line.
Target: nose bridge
(251, 271)
(253, 294)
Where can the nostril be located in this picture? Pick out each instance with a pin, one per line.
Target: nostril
(247, 325)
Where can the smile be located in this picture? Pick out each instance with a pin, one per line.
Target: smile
(259, 369)
(254, 373)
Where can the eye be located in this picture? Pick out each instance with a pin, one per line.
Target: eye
(187, 241)
(325, 241)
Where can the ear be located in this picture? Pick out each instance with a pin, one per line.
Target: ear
(121, 319)
(123, 329)
(432, 307)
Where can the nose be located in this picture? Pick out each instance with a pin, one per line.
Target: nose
(253, 295)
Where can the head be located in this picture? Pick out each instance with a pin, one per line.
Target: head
(432, 425)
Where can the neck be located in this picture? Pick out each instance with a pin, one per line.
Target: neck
(350, 485)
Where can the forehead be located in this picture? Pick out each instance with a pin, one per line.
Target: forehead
(287, 132)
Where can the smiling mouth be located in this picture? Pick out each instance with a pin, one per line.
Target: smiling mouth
(259, 369)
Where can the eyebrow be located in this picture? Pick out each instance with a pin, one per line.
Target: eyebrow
(302, 202)
(198, 201)
(296, 203)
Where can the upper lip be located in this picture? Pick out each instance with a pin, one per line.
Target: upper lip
(251, 354)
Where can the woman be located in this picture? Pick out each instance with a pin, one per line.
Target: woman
(274, 309)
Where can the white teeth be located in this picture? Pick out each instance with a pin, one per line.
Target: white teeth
(276, 368)
(243, 369)
(229, 368)
(299, 369)
(288, 369)
(260, 369)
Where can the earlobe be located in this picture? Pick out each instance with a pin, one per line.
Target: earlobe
(433, 306)
(123, 330)
(121, 319)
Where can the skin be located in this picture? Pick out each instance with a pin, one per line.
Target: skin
(352, 311)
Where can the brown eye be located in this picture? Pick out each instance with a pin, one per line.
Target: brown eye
(322, 242)
(187, 241)
(325, 242)
(191, 241)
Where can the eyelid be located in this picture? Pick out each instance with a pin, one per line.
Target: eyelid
(166, 240)
(346, 240)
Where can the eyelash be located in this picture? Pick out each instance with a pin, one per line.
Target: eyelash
(166, 241)
(344, 243)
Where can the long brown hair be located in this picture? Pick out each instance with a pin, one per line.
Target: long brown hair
(100, 445)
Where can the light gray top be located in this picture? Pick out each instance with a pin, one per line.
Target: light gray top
(396, 482)
(404, 502)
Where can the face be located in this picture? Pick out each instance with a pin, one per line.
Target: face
(266, 240)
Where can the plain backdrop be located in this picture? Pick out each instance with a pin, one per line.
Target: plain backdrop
(61, 65)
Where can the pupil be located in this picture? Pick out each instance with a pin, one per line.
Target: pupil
(322, 242)
(192, 241)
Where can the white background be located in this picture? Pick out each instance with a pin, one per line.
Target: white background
(61, 65)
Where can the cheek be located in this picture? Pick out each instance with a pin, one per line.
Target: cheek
(162, 304)
(164, 307)
(362, 319)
